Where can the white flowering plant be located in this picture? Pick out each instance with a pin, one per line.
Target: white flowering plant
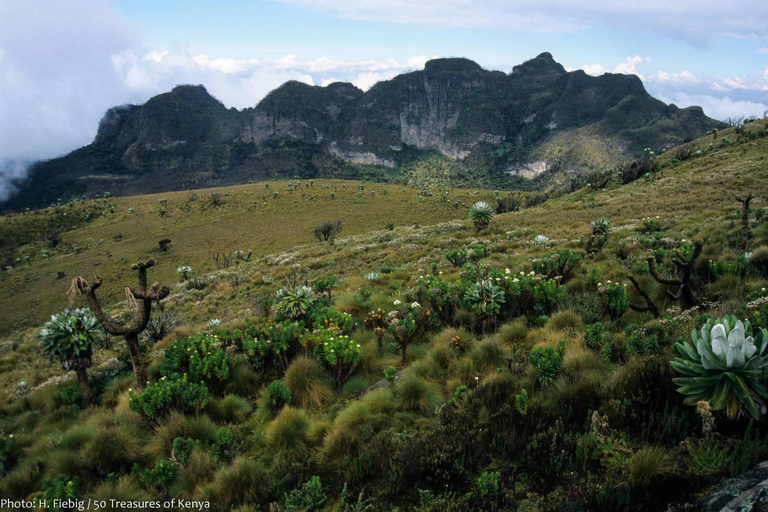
(341, 354)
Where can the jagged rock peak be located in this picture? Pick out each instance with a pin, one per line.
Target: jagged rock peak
(543, 63)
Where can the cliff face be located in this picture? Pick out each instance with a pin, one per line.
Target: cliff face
(512, 125)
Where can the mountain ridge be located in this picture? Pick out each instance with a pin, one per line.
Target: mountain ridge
(490, 125)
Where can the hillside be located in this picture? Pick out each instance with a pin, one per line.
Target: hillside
(517, 380)
(487, 127)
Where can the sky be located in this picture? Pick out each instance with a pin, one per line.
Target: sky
(63, 63)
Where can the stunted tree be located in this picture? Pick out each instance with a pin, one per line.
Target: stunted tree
(327, 231)
(142, 299)
(69, 337)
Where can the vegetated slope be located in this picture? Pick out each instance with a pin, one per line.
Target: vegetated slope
(529, 405)
(105, 235)
(491, 128)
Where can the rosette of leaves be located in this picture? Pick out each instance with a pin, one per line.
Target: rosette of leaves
(724, 365)
(69, 337)
(294, 302)
(341, 354)
(485, 299)
(481, 214)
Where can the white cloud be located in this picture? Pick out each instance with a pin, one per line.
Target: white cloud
(594, 69)
(717, 108)
(696, 22)
(763, 49)
(629, 66)
(682, 78)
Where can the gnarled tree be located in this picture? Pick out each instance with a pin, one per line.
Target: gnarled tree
(685, 268)
(649, 305)
(143, 299)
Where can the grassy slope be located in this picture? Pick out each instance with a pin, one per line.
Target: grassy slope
(30, 293)
(694, 198)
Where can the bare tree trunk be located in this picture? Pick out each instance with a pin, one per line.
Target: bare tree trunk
(139, 368)
(85, 386)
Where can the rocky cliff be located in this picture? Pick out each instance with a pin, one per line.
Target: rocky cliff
(500, 128)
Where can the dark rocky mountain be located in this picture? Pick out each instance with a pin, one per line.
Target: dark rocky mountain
(452, 121)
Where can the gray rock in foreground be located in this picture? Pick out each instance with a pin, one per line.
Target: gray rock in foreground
(746, 492)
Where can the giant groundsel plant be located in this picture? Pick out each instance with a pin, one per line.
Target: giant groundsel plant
(725, 366)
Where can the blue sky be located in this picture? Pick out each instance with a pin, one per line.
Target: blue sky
(64, 62)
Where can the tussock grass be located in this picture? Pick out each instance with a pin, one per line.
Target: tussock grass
(244, 481)
(650, 463)
(287, 434)
(415, 394)
(309, 383)
(234, 409)
(112, 449)
(126, 489)
(197, 471)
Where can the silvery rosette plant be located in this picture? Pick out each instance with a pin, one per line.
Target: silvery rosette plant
(724, 366)
(481, 214)
(294, 302)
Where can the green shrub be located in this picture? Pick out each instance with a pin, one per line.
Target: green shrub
(522, 402)
(556, 264)
(547, 361)
(594, 335)
(488, 483)
(340, 353)
(390, 374)
(160, 397)
(615, 299)
(441, 296)
(161, 476)
(457, 258)
(201, 358)
(278, 396)
(308, 498)
(60, 488)
(182, 448)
